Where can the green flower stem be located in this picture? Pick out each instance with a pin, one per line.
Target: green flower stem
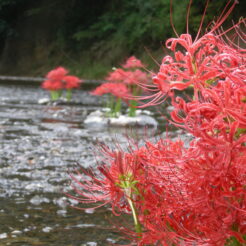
(54, 95)
(69, 94)
(107, 104)
(111, 106)
(137, 225)
(132, 108)
(117, 107)
(232, 241)
(114, 105)
(133, 103)
(59, 93)
(128, 185)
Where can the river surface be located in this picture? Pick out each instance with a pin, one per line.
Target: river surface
(38, 145)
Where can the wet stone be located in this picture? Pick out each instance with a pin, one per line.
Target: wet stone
(16, 232)
(3, 235)
(47, 229)
(37, 200)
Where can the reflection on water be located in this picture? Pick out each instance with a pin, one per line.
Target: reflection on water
(39, 143)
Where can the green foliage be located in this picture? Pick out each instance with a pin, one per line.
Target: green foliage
(130, 24)
(8, 14)
(33, 11)
(232, 241)
(99, 34)
(4, 3)
(135, 24)
(125, 27)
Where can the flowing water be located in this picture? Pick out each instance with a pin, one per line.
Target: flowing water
(39, 143)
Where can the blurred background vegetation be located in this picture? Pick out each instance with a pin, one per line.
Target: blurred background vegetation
(89, 37)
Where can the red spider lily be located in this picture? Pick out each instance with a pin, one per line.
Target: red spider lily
(118, 75)
(189, 196)
(106, 186)
(133, 62)
(131, 76)
(119, 90)
(52, 85)
(54, 79)
(216, 117)
(128, 77)
(203, 60)
(127, 181)
(181, 196)
(163, 192)
(193, 195)
(57, 73)
(57, 80)
(135, 77)
(216, 193)
(198, 210)
(71, 82)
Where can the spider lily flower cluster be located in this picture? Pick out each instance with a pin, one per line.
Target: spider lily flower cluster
(181, 195)
(58, 80)
(123, 84)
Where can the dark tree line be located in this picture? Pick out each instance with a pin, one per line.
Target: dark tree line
(90, 36)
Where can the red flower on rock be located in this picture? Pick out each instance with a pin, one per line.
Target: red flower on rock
(135, 77)
(131, 75)
(118, 75)
(71, 82)
(119, 90)
(52, 85)
(57, 73)
(58, 79)
(54, 79)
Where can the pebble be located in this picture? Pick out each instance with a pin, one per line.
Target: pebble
(3, 235)
(47, 229)
(16, 232)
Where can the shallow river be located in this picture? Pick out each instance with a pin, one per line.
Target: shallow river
(39, 143)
